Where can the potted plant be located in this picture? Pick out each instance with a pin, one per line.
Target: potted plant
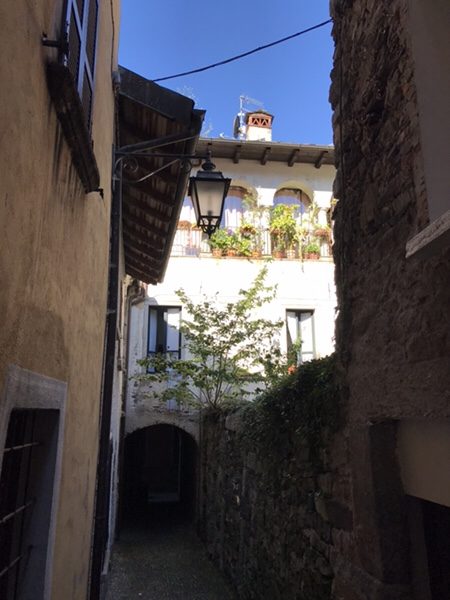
(283, 228)
(244, 247)
(323, 232)
(247, 230)
(312, 251)
(219, 242)
(184, 225)
(233, 244)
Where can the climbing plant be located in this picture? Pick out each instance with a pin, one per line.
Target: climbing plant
(229, 350)
(301, 406)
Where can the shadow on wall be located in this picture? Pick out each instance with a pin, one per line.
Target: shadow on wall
(159, 475)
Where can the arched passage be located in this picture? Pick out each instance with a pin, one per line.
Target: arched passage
(159, 474)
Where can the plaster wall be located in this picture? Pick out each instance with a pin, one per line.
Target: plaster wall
(424, 451)
(307, 286)
(267, 179)
(54, 258)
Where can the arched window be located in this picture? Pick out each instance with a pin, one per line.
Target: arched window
(293, 197)
(233, 209)
(187, 213)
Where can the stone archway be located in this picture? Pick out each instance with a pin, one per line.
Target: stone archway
(159, 474)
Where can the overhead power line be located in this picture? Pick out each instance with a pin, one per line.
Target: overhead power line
(239, 56)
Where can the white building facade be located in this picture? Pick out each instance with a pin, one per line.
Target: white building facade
(263, 174)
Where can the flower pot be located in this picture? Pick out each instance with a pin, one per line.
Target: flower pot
(290, 254)
(256, 254)
(216, 252)
(312, 255)
(322, 233)
(278, 254)
(231, 252)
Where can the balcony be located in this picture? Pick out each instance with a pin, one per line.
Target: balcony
(191, 241)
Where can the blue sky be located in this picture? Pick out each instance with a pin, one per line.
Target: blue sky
(164, 37)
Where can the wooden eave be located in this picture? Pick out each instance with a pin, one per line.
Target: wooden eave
(266, 152)
(151, 207)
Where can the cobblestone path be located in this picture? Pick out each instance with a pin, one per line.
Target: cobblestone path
(164, 561)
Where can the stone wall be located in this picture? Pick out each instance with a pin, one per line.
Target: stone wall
(269, 518)
(393, 326)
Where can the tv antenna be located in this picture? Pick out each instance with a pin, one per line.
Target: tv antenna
(239, 121)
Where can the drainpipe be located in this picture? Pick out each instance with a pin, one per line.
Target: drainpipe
(136, 293)
(102, 498)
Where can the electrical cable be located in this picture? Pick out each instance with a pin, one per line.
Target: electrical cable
(244, 54)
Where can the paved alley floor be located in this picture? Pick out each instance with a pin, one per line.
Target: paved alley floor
(163, 559)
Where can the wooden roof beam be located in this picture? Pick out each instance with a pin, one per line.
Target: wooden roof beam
(143, 259)
(148, 188)
(320, 159)
(293, 157)
(145, 208)
(237, 154)
(144, 224)
(265, 155)
(141, 266)
(131, 237)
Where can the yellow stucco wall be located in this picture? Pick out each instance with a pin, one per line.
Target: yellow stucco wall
(54, 257)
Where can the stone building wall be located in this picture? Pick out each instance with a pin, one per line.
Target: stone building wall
(393, 326)
(270, 520)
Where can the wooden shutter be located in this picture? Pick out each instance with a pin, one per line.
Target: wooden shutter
(81, 18)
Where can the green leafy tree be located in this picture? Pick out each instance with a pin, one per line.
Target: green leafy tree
(231, 352)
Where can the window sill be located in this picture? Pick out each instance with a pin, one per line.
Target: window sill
(71, 116)
(430, 240)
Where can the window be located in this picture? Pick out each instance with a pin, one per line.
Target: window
(164, 335)
(70, 81)
(31, 437)
(81, 19)
(233, 211)
(26, 493)
(300, 332)
(294, 197)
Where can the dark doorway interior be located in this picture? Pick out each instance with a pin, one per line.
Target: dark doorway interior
(430, 549)
(159, 476)
(436, 523)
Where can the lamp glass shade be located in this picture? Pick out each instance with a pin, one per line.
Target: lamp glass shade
(208, 191)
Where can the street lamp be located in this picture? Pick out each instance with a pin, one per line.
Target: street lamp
(208, 191)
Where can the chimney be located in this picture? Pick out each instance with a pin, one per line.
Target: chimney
(258, 126)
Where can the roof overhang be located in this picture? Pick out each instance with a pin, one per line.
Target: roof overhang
(150, 113)
(264, 152)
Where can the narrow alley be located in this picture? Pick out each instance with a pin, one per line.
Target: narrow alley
(162, 559)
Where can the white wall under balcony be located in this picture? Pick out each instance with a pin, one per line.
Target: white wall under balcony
(307, 285)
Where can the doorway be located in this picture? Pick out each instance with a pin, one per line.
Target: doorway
(159, 475)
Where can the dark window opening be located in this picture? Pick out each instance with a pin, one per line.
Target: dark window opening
(300, 334)
(164, 334)
(26, 491)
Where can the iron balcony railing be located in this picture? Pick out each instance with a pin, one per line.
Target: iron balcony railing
(190, 241)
